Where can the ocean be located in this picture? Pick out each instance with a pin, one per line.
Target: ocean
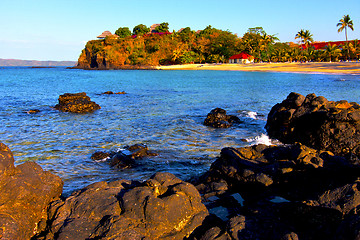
(163, 109)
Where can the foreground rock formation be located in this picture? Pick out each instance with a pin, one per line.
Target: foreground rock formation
(162, 207)
(280, 192)
(317, 123)
(26, 192)
(76, 103)
(218, 118)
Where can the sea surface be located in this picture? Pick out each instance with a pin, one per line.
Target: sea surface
(163, 109)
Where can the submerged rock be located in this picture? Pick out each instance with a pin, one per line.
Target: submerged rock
(32, 111)
(162, 207)
(217, 118)
(317, 123)
(111, 92)
(76, 103)
(26, 192)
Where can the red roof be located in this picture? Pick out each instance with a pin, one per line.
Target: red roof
(241, 56)
(321, 45)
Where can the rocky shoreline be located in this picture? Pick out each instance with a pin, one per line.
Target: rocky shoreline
(307, 188)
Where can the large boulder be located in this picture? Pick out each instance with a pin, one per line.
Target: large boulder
(26, 192)
(280, 192)
(76, 103)
(317, 123)
(289, 171)
(217, 118)
(162, 207)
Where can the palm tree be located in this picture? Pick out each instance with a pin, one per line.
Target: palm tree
(345, 23)
(265, 40)
(305, 37)
(332, 51)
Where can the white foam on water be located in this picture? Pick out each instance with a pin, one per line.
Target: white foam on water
(251, 114)
(103, 160)
(262, 139)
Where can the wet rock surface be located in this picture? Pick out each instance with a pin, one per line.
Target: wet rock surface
(26, 192)
(162, 207)
(217, 118)
(317, 123)
(125, 158)
(76, 103)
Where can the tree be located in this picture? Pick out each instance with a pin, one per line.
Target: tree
(123, 32)
(332, 51)
(162, 28)
(305, 37)
(140, 29)
(345, 23)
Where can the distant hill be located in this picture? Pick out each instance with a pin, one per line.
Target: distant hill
(34, 63)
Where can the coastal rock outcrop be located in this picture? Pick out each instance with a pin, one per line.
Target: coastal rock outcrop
(317, 123)
(162, 207)
(26, 192)
(280, 192)
(277, 169)
(76, 103)
(218, 118)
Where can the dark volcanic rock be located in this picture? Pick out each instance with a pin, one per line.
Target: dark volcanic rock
(217, 118)
(280, 192)
(76, 103)
(162, 207)
(279, 170)
(126, 158)
(26, 192)
(317, 123)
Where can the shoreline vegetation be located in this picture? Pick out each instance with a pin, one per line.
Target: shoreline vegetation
(147, 48)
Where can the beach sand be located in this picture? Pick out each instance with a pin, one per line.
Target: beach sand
(318, 67)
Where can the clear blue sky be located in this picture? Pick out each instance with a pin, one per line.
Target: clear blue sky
(59, 29)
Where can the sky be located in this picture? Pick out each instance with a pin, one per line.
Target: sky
(59, 29)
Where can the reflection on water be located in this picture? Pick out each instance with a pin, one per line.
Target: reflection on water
(162, 109)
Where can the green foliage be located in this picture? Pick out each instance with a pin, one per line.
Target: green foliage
(162, 28)
(210, 45)
(140, 29)
(123, 32)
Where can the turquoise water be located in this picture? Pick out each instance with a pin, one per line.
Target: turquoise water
(162, 109)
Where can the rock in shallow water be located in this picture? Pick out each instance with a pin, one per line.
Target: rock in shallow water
(76, 103)
(217, 118)
(125, 158)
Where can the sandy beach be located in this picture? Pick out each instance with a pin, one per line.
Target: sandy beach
(319, 67)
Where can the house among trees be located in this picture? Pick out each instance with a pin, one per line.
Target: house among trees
(106, 34)
(241, 58)
(153, 27)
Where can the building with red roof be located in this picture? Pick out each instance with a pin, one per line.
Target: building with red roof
(241, 58)
(322, 45)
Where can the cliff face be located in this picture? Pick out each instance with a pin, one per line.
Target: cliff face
(112, 53)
